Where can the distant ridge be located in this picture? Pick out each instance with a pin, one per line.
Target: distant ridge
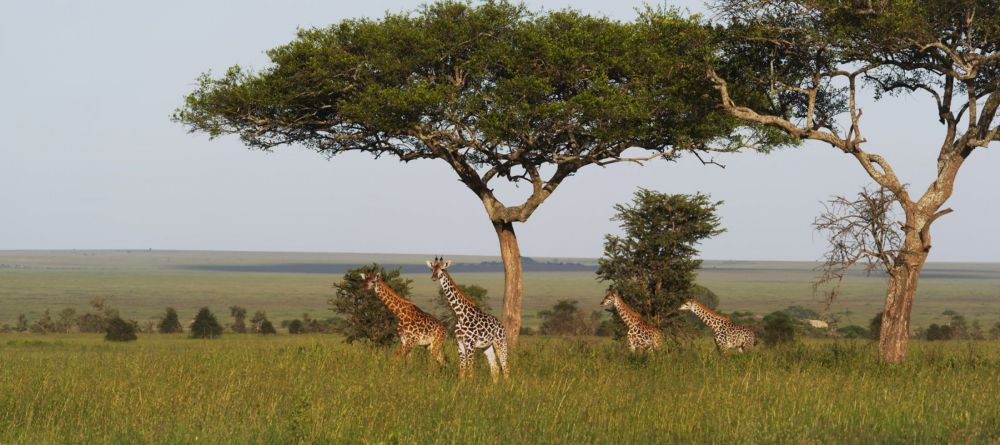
(528, 264)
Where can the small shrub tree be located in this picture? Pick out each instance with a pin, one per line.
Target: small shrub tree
(939, 332)
(995, 331)
(652, 264)
(366, 318)
(266, 327)
(239, 315)
(566, 319)
(117, 329)
(853, 331)
(22, 323)
(205, 325)
(475, 293)
(778, 329)
(295, 327)
(44, 324)
(169, 323)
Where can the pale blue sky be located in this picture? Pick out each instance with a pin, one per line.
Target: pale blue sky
(90, 160)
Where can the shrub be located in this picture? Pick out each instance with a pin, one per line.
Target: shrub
(778, 329)
(652, 264)
(939, 332)
(566, 319)
(801, 313)
(853, 331)
(365, 317)
(239, 315)
(117, 329)
(295, 327)
(205, 325)
(267, 328)
(170, 324)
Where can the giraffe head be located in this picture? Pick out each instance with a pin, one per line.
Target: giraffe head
(609, 298)
(687, 306)
(370, 279)
(437, 266)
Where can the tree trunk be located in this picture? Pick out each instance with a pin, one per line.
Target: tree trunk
(895, 333)
(513, 287)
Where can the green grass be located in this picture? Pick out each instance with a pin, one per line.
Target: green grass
(317, 389)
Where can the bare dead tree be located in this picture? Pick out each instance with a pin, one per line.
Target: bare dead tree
(860, 231)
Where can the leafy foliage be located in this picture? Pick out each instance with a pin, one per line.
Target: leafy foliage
(267, 328)
(295, 327)
(365, 317)
(170, 323)
(778, 329)
(239, 315)
(118, 329)
(652, 263)
(566, 319)
(205, 325)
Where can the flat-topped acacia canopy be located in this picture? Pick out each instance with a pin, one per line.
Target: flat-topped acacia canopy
(495, 90)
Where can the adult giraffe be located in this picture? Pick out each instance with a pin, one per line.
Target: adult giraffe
(475, 329)
(728, 335)
(416, 327)
(642, 336)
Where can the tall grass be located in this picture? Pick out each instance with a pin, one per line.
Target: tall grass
(316, 389)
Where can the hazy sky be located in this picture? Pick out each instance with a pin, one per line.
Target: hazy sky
(89, 158)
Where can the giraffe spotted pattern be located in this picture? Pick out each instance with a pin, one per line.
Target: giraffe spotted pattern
(642, 336)
(728, 335)
(475, 329)
(416, 327)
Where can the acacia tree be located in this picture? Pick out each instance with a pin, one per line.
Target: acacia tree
(805, 62)
(652, 263)
(497, 92)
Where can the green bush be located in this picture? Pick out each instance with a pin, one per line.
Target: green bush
(853, 331)
(117, 329)
(778, 329)
(170, 324)
(365, 317)
(295, 327)
(205, 325)
(266, 327)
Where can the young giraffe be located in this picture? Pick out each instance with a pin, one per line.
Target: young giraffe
(475, 329)
(641, 336)
(416, 327)
(728, 335)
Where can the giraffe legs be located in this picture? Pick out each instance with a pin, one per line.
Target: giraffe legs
(501, 349)
(491, 357)
(465, 358)
(404, 350)
(436, 349)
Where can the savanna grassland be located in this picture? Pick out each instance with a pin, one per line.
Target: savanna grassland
(76, 388)
(142, 283)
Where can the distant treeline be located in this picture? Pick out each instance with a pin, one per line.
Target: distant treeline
(529, 265)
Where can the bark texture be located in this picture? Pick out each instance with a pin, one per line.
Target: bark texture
(513, 287)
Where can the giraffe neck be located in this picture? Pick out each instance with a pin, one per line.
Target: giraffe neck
(459, 303)
(629, 316)
(711, 319)
(390, 298)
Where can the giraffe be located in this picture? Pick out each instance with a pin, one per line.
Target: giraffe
(642, 336)
(728, 335)
(475, 329)
(416, 327)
